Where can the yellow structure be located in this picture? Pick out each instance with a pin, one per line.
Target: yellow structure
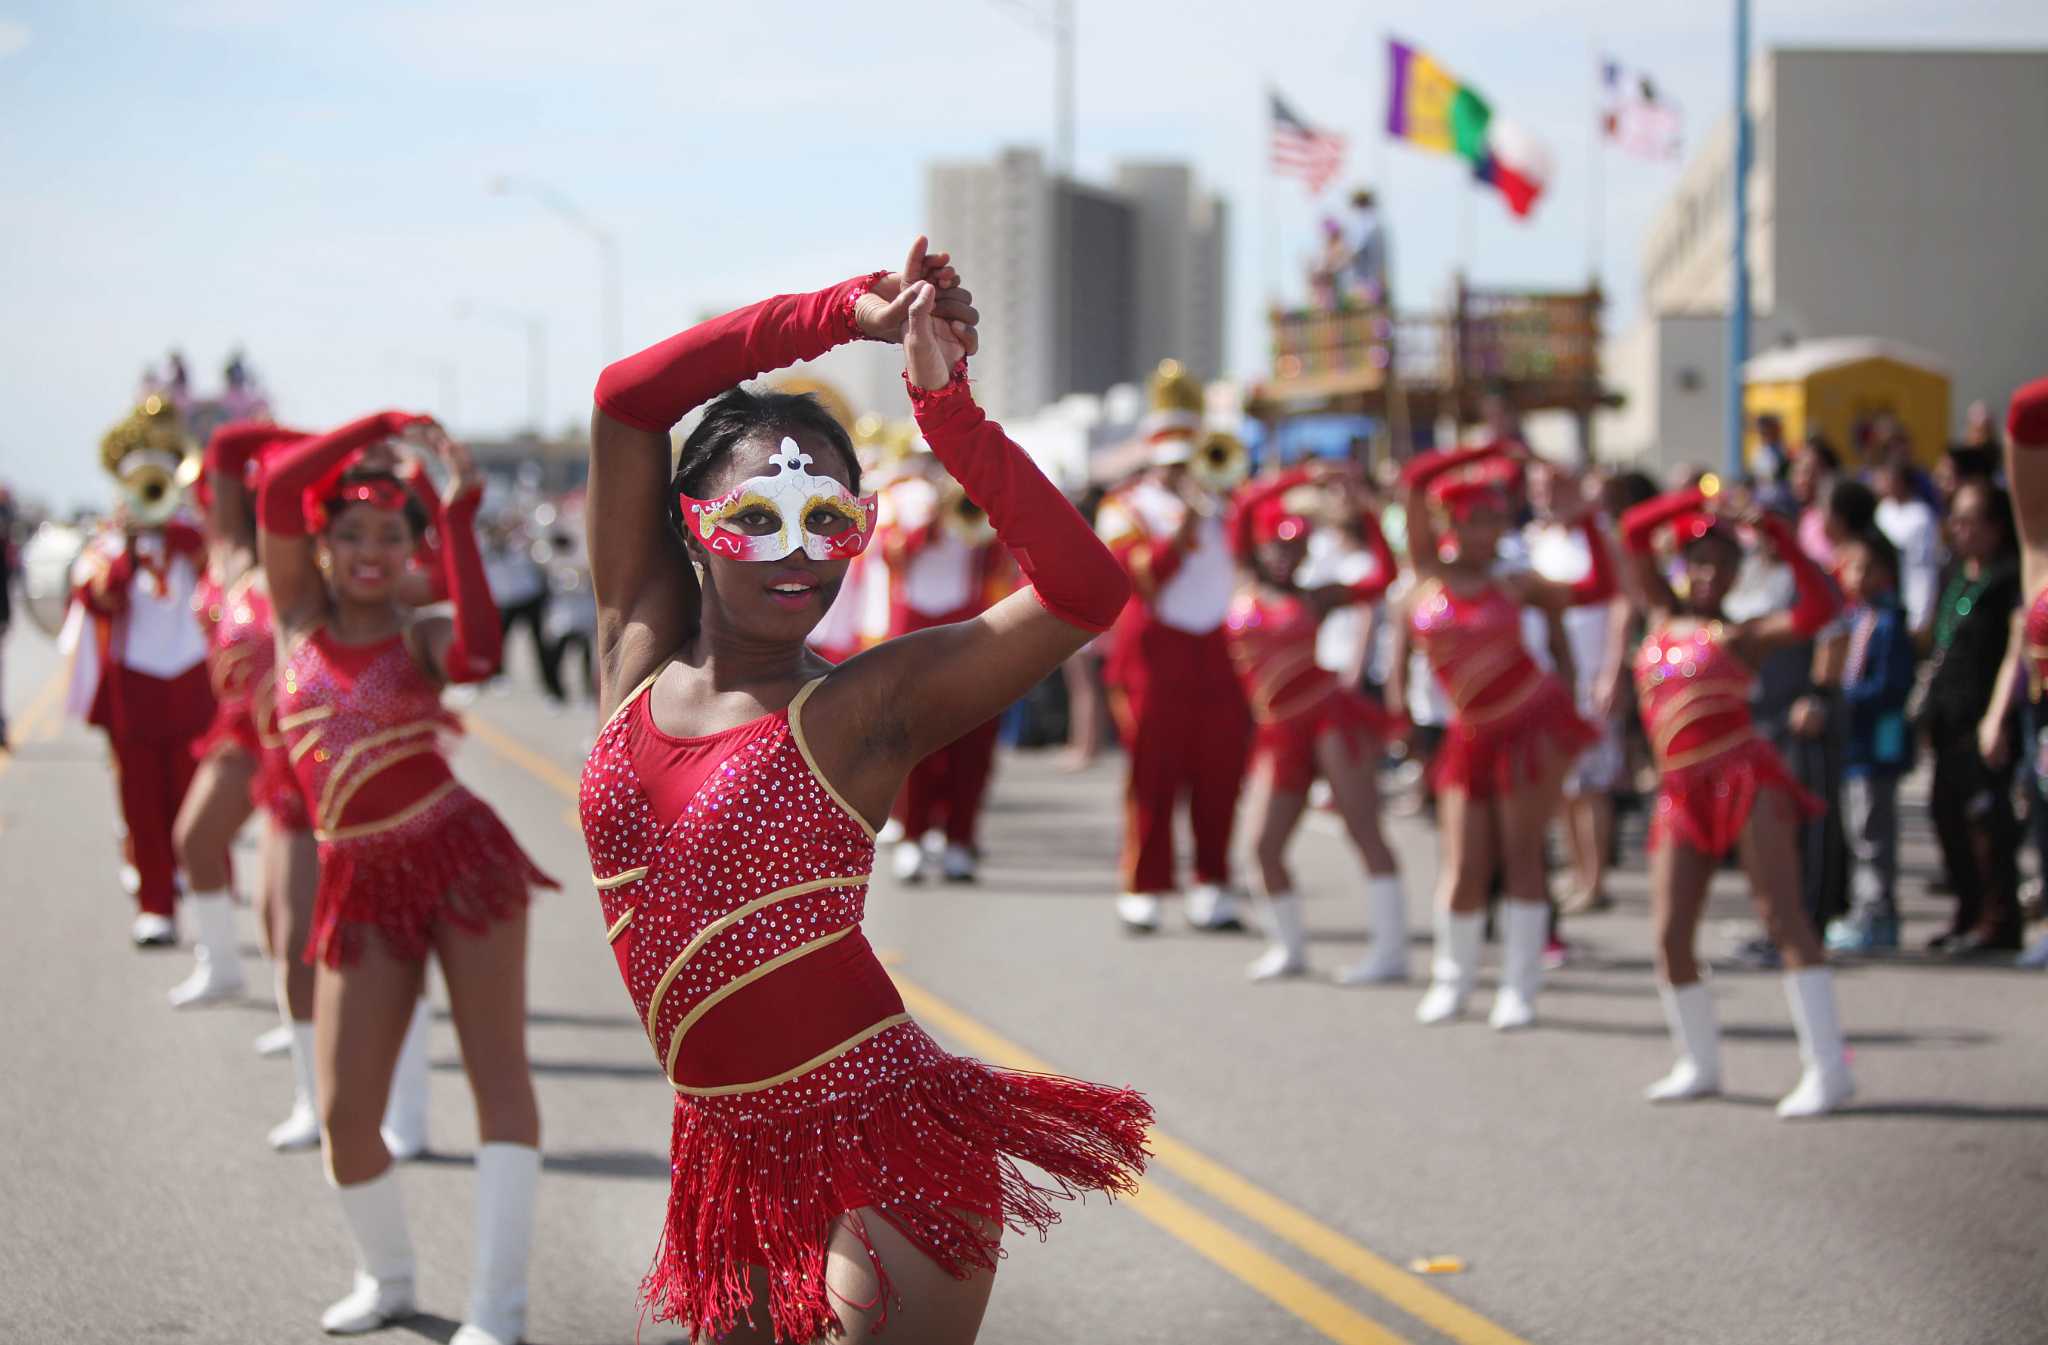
(1838, 387)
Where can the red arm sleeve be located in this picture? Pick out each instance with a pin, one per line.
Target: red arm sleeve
(1251, 495)
(656, 388)
(1639, 525)
(1598, 584)
(1072, 572)
(1422, 470)
(479, 635)
(231, 446)
(282, 507)
(1384, 567)
(1816, 600)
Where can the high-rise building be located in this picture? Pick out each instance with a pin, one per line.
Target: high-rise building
(1080, 286)
(1892, 194)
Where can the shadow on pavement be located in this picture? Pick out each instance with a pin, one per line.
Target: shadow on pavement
(1934, 1037)
(632, 1164)
(596, 1069)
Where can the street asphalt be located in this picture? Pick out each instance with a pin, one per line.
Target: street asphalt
(1314, 1140)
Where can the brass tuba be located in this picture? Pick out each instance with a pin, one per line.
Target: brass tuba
(1220, 462)
(152, 459)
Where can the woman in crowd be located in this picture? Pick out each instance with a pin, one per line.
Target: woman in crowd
(832, 1169)
(1513, 731)
(1722, 787)
(410, 862)
(1308, 724)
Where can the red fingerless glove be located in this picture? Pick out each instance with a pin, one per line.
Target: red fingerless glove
(656, 388)
(1817, 600)
(1597, 585)
(1422, 470)
(1639, 525)
(1384, 566)
(1071, 571)
(281, 509)
(479, 633)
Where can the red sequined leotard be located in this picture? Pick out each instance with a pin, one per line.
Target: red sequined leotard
(1508, 716)
(1712, 763)
(243, 667)
(732, 880)
(403, 846)
(1294, 700)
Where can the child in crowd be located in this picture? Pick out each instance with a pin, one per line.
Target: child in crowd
(1877, 678)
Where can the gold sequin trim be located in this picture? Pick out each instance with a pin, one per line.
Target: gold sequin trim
(348, 794)
(727, 921)
(824, 1057)
(1708, 752)
(398, 819)
(1514, 701)
(304, 717)
(738, 983)
(358, 748)
(637, 693)
(619, 926)
(618, 879)
(796, 731)
(303, 746)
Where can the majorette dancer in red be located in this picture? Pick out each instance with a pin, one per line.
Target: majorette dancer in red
(410, 861)
(1514, 730)
(1185, 728)
(830, 1164)
(2026, 468)
(1308, 724)
(1723, 787)
(944, 566)
(139, 670)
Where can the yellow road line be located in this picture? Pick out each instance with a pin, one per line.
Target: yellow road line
(1295, 1227)
(41, 719)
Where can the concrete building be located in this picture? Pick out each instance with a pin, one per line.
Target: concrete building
(1081, 286)
(1893, 194)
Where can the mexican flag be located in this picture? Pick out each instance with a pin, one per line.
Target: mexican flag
(1432, 109)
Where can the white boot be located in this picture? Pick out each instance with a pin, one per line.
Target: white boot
(1451, 969)
(218, 973)
(1139, 911)
(1386, 909)
(1824, 1084)
(957, 864)
(506, 1175)
(405, 1111)
(1211, 907)
(276, 1041)
(1524, 927)
(2036, 955)
(1689, 1012)
(1287, 954)
(301, 1129)
(383, 1290)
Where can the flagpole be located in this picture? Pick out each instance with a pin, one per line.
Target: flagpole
(1268, 220)
(1738, 317)
(1596, 176)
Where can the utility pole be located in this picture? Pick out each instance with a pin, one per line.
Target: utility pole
(1738, 309)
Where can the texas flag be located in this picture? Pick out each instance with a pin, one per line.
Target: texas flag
(1432, 109)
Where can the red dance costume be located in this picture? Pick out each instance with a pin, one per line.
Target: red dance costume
(732, 880)
(936, 578)
(243, 667)
(403, 846)
(146, 659)
(2026, 425)
(1295, 700)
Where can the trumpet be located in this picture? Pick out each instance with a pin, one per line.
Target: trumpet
(1220, 462)
(963, 518)
(152, 460)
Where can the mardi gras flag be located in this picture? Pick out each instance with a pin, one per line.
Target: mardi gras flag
(1430, 108)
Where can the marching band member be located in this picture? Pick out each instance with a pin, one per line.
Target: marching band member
(1513, 733)
(829, 1163)
(1309, 725)
(1722, 787)
(139, 673)
(1182, 718)
(944, 566)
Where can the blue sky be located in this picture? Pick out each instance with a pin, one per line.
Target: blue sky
(310, 179)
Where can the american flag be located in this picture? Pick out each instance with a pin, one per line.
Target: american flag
(1300, 150)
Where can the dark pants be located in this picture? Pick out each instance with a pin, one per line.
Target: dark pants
(1870, 819)
(529, 614)
(1973, 820)
(1816, 763)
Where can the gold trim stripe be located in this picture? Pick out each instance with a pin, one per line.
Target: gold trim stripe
(739, 983)
(1710, 751)
(398, 819)
(727, 921)
(824, 1057)
(796, 731)
(1486, 665)
(637, 693)
(1511, 703)
(619, 926)
(312, 715)
(619, 879)
(355, 751)
(303, 746)
(348, 793)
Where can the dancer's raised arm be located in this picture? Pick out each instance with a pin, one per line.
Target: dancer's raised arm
(284, 537)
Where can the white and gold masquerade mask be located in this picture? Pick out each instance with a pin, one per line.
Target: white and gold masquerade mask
(788, 510)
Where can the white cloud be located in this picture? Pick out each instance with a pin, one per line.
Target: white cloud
(13, 36)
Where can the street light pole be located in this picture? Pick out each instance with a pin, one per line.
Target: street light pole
(611, 324)
(1738, 314)
(536, 328)
(1058, 24)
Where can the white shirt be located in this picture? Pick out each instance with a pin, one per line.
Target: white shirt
(1195, 599)
(1912, 527)
(1563, 556)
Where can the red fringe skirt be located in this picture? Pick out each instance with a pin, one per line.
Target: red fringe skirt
(454, 863)
(931, 1140)
(1707, 804)
(1290, 744)
(233, 729)
(1500, 755)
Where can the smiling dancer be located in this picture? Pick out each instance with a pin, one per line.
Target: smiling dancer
(1722, 787)
(1514, 729)
(832, 1169)
(409, 860)
(1309, 726)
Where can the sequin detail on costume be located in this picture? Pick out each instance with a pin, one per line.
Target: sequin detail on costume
(1294, 700)
(803, 1090)
(1694, 693)
(1508, 716)
(403, 846)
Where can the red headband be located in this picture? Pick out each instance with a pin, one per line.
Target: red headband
(1699, 524)
(2026, 421)
(1272, 520)
(1466, 496)
(376, 492)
